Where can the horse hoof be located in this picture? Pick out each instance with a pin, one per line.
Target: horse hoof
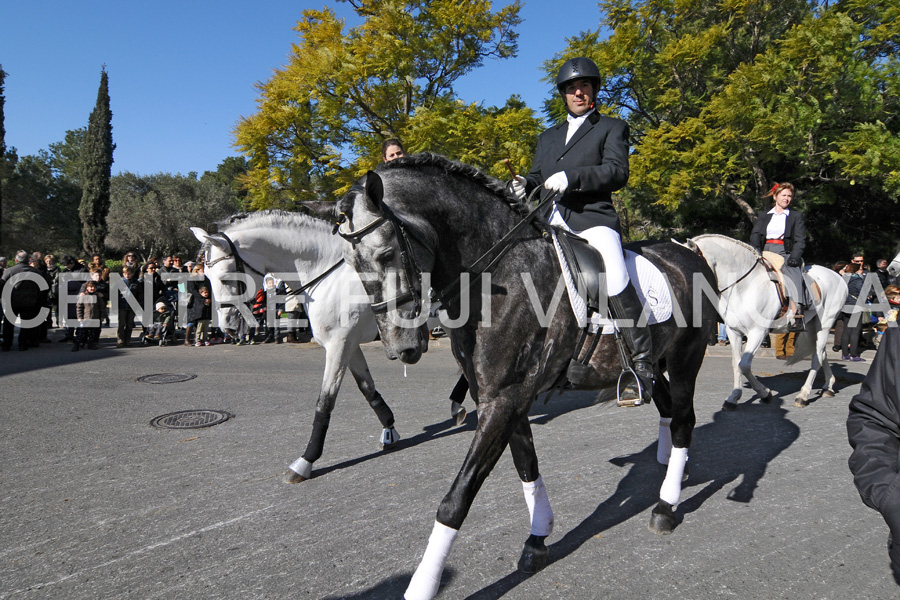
(460, 416)
(828, 394)
(662, 520)
(801, 402)
(767, 399)
(291, 476)
(535, 555)
(729, 406)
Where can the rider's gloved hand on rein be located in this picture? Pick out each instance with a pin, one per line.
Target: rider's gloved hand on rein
(793, 262)
(517, 187)
(558, 182)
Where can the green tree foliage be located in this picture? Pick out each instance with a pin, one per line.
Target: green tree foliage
(230, 173)
(41, 208)
(322, 118)
(727, 97)
(151, 214)
(97, 159)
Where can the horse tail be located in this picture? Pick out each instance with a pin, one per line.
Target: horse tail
(804, 346)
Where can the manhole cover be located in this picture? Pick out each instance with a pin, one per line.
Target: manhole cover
(191, 419)
(166, 378)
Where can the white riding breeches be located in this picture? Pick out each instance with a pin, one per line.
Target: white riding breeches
(608, 243)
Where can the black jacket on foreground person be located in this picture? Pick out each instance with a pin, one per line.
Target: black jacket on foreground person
(873, 428)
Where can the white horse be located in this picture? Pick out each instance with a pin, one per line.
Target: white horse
(300, 248)
(749, 304)
(893, 268)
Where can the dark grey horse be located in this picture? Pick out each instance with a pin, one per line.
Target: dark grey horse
(427, 215)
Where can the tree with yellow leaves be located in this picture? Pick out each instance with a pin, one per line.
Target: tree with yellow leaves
(322, 118)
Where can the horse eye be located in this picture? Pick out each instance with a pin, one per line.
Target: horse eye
(386, 256)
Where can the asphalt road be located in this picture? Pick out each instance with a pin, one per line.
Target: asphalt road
(96, 503)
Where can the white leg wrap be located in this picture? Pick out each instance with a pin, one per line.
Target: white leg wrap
(301, 467)
(538, 507)
(664, 448)
(389, 437)
(671, 487)
(427, 578)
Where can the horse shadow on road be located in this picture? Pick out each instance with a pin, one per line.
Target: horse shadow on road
(541, 412)
(788, 383)
(735, 447)
(428, 433)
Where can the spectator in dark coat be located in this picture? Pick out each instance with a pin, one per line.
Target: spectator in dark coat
(130, 289)
(158, 286)
(873, 428)
(26, 300)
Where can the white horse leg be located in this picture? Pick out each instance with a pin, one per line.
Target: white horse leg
(754, 341)
(663, 518)
(819, 359)
(828, 388)
(335, 367)
(734, 339)
(664, 446)
(359, 368)
(427, 578)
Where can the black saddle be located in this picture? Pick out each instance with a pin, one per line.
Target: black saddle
(586, 266)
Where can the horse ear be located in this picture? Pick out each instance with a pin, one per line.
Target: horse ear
(374, 189)
(204, 237)
(200, 234)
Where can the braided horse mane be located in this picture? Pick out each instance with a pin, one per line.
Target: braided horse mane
(451, 167)
(718, 236)
(317, 231)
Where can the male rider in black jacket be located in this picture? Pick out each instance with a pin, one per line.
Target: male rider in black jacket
(584, 160)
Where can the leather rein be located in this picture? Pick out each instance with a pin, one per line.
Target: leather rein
(412, 270)
(240, 265)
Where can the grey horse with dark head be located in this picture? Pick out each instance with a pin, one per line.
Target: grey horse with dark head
(425, 222)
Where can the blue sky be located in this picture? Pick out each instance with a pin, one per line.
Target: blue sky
(181, 74)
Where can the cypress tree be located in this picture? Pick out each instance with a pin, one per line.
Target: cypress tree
(97, 159)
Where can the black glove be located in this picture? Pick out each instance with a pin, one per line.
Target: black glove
(793, 262)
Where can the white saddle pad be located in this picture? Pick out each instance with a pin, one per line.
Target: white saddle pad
(648, 280)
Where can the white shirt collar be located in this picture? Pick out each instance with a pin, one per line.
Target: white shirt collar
(575, 123)
(785, 212)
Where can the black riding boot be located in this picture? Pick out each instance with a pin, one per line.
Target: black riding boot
(627, 306)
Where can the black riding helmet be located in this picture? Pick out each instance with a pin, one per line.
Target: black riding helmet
(577, 68)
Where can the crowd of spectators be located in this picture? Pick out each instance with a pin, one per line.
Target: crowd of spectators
(164, 302)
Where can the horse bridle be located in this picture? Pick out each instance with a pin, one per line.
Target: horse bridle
(240, 264)
(405, 235)
(233, 253)
(739, 279)
(411, 269)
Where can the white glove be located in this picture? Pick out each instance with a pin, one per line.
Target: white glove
(558, 182)
(518, 187)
